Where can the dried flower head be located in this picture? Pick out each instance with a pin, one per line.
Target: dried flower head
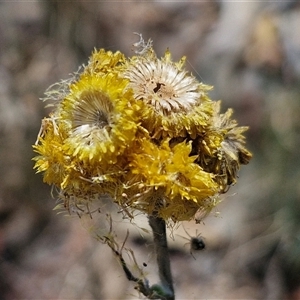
(176, 103)
(221, 149)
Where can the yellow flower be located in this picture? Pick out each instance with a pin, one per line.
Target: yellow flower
(103, 62)
(166, 180)
(51, 159)
(101, 116)
(176, 103)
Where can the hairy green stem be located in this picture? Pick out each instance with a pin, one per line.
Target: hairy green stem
(158, 226)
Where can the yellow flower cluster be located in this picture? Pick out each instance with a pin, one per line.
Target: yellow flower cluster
(142, 131)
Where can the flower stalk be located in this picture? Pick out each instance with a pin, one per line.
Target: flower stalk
(158, 226)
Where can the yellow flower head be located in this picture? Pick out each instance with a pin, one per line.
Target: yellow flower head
(166, 179)
(102, 62)
(176, 103)
(51, 159)
(101, 115)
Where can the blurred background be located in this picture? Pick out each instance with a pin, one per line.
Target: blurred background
(250, 52)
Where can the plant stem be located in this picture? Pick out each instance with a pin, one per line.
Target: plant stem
(158, 226)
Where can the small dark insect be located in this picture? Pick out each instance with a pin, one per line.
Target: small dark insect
(196, 243)
(144, 264)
